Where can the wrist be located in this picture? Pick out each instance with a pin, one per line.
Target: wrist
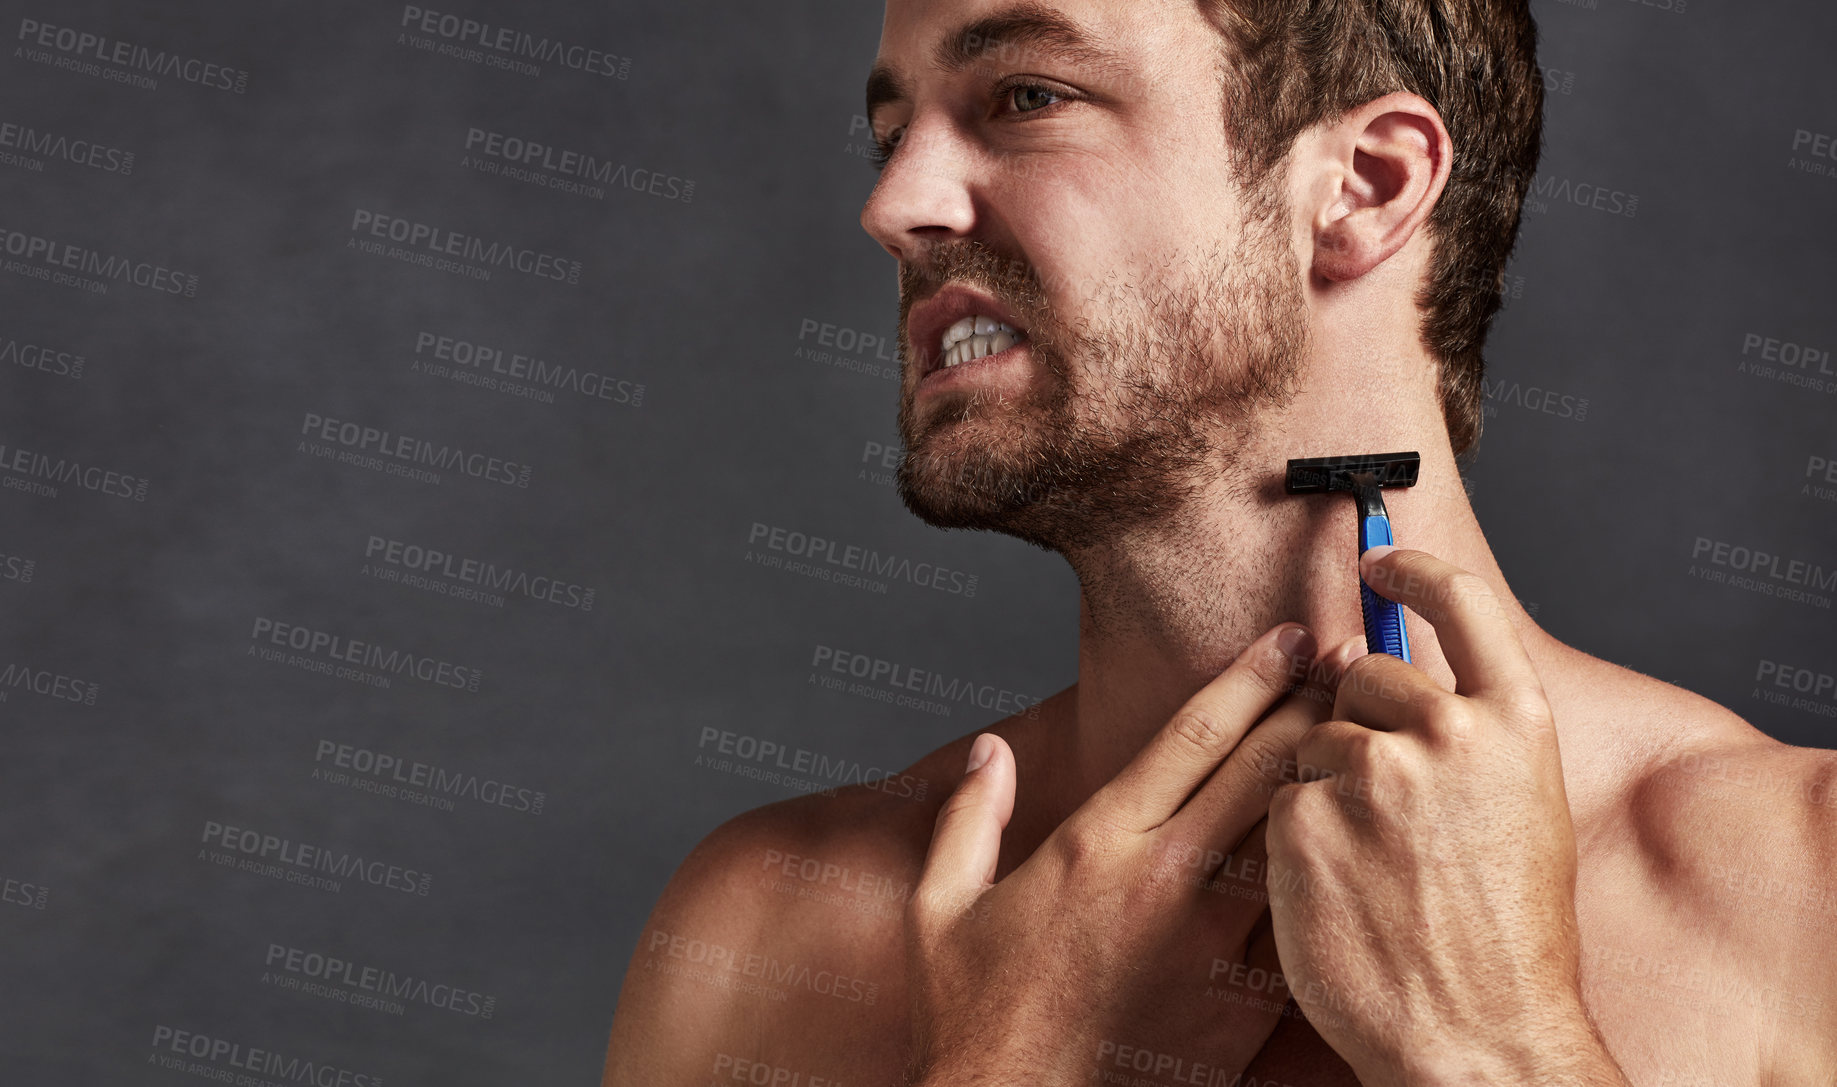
(1569, 1055)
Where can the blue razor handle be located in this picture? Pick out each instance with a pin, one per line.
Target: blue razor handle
(1365, 475)
(1383, 618)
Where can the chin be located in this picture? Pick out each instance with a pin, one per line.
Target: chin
(1020, 484)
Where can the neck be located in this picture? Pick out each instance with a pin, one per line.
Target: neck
(1165, 609)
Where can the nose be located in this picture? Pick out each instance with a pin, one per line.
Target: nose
(924, 195)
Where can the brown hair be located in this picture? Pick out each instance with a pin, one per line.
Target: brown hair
(1295, 63)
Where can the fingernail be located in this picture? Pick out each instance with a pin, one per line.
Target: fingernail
(1292, 640)
(980, 752)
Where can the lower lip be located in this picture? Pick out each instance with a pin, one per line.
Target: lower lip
(986, 368)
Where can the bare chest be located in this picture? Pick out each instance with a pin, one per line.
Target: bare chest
(1678, 1005)
(1671, 976)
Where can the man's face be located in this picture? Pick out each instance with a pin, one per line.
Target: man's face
(1084, 188)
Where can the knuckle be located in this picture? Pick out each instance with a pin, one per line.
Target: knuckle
(1083, 844)
(1527, 709)
(1451, 716)
(1173, 862)
(1356, 745)
(1375, 756)
(1267, 756)
(1198, 728)
(1176, 852)
(1379, 676)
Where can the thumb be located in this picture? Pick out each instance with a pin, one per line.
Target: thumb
(966, 842)
(1333, 665)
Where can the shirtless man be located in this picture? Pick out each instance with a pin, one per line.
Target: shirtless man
(1237, 851)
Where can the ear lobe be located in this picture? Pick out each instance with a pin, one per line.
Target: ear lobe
(1391, 158)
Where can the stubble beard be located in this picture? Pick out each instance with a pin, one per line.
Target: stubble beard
(1136, 410)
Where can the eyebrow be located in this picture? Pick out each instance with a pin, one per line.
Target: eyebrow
(1025, 25)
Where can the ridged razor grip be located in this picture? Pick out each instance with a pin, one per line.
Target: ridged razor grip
(1383, 618)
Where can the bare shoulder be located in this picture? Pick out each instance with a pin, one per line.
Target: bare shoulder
(1731, 839)
(1693, 779)
(1727, 800)
(1705, 794)
(777, 948)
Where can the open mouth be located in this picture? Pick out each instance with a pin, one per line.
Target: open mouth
(961, 330)
(974, 337)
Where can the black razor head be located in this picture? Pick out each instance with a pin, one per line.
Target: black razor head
(1317, 475)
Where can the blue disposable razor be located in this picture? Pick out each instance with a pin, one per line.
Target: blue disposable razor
(1365, 477)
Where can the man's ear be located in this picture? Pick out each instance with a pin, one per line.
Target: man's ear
(1383, 166)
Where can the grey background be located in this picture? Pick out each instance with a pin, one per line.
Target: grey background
(702, 302)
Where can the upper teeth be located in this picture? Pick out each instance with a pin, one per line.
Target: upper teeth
(976, 336)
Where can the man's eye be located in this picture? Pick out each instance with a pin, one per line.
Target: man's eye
(1030, 97)
(882, 150)
(1024, 97)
